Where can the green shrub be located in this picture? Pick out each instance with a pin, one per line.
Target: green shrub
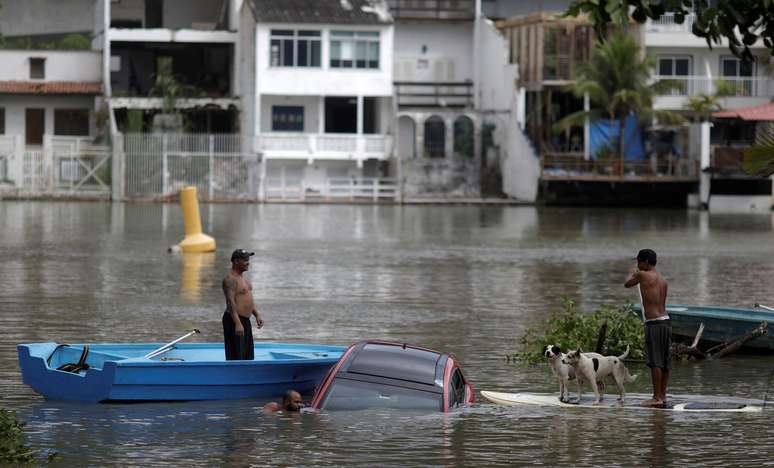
(570, 329)
(13, 450)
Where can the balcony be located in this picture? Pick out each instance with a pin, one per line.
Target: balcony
(434, 94)
(433, 10)
(152, 21)
(311, 146)
(667, 23)
(741, 87)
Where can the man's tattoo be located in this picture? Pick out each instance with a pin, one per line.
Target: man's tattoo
(229, 288)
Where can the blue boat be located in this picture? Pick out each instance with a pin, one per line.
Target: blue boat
(190, 371)
(720, 323)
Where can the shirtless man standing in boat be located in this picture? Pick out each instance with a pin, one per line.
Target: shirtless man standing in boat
(237, 330)
(658, 330)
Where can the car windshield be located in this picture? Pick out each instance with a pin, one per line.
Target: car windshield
(355, 395)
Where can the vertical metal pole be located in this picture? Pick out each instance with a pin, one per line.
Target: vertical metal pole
(164, 164)
(211, 166)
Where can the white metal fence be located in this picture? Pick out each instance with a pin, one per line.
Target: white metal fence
(61, 166)
(738, 86)
(159, 165)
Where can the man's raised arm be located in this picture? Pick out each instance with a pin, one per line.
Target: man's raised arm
(634, 279)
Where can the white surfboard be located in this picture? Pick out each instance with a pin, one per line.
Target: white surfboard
(547, 399)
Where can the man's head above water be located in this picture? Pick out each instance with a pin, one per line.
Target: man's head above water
(291, 401)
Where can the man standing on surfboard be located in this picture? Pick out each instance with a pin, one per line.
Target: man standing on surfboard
(658, 329)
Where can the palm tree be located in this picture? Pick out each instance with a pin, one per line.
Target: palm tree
(703, 105)
(759, 158)
(617, 81)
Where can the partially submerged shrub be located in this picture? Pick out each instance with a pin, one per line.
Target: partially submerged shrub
(13, 450)
(570, 329)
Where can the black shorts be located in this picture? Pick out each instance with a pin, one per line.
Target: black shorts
(658, 344)
(237, 347)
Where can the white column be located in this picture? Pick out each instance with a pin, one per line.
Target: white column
(704, 163)
(360, 115)
(586, 129)
(321, 115)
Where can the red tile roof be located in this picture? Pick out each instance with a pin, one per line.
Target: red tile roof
(50, 87)
(762, 112)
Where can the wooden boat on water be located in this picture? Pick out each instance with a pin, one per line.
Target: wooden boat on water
(721, 324)
(190, 371)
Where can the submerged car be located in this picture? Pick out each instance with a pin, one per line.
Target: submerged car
(379, 374)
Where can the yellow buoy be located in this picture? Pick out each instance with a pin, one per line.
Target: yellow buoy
(195, 240)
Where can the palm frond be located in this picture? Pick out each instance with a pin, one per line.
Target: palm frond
(759, 158)
(576, 119)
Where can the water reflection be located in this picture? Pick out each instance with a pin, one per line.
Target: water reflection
(191, 275)
(466, 280)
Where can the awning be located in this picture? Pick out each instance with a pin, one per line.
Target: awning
(754, 113)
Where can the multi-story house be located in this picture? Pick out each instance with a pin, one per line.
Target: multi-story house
(179, 54)
(50, 95)
(694, 69)
(322, 101)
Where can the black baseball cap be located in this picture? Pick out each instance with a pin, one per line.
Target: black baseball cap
(647, 255)
(241, 254)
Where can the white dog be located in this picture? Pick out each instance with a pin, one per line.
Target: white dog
(593, 369)
(563, 371)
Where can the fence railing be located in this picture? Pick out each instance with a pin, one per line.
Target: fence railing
(434, 94)
(577, 168)
(62, 165)
(335, 188)
(739, 86)
(159, 165)
(433, 9)
(325, 145)
(668, 23)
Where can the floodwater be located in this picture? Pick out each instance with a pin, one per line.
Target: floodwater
(468, 280)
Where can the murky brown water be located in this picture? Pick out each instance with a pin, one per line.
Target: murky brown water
(462, 279)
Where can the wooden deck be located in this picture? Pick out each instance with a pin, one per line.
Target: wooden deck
(574, 168)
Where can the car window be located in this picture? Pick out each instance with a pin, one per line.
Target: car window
(456, 389)
(355, 395)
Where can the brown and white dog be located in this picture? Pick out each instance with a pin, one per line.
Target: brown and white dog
(593, 369)
(563, 371)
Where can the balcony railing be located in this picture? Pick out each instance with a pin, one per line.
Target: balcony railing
(444, 10)
(434, 94)
(667, 23)
(740, 87)
(324, 146)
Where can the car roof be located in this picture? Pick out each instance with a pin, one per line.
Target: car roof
(395, 361)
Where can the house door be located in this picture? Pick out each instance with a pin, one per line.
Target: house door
(34, 124)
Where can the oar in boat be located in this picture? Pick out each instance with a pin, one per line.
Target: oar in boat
(169, 345)
(764, 307)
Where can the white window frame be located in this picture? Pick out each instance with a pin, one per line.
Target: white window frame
(369, 42)
(738, 61)
(674, 58)
(298, 40)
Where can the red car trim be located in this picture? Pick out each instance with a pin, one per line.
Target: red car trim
(447, 372)
(329, 378)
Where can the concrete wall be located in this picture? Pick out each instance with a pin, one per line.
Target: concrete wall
(60, 65)
(324, 81)
(244, 62)
(15, 110)
(312, 120)
(434, 52)
(498, 77)
(33, 17)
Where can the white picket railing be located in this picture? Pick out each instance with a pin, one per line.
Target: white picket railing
(668, 23)
(331, 189)
(325, 145)
(741, 87)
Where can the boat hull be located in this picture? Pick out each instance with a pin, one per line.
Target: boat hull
(196, 371)
(721, 324)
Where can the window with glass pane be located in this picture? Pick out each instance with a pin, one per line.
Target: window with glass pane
(678, 68)
(287, 118)
(739, 74)
(290, 48)
(354, 49)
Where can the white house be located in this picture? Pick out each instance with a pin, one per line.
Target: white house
(322, 100)
(193, 41)
(50, 91)
(685, 60)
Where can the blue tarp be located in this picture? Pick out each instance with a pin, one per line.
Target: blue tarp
(604, 133)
